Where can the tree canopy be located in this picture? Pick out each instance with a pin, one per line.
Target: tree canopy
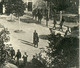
(16, 6)
(19, 8)
(60, 4)
(65, 51)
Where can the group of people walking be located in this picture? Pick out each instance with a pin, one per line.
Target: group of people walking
(40, 13)
(61, 24)
(37, 14)
(12, 55)
(34, 62)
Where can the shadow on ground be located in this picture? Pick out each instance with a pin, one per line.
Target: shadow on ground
(26, 42)
(29, 14)
(19, 31)
(11, 20)
(44, 37)
(29, 20)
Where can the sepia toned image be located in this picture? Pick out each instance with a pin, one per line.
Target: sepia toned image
(39, 33)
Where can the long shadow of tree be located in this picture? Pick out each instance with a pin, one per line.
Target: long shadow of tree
(29, 20)
(29, 14)
(26, 42)
(44, 37)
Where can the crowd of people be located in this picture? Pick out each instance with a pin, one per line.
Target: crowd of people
(37, 14)
(36, 62)
(17, 56)
(40, 13)
(68, 30)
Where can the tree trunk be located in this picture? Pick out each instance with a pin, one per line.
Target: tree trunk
(19, 22)
(46, 23)
(79, 13)
(60, 16)
(47, 13)
(11, 17)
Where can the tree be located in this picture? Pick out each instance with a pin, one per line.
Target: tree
(39, 4)
(10, 8)
(59, 5)
(65, 51)
(3, 51)
(19, 8)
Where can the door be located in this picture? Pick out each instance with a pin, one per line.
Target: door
(29, 6)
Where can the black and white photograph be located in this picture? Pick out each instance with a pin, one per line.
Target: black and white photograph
(39, 33)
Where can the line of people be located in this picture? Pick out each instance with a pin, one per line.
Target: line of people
(12, 56)
(61, 24)
(35, 62)
(37, 13)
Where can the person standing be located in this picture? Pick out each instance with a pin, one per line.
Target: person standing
(39, 15)
(34, 62)
(67, 31)
(25, 58)
(18, 55)
(54, 27)
(12, 53)
(35, 13)
(61, 24)
(35, 38)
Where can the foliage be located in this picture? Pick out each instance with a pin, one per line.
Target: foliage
(40, 4)
(15, 6)
(9, 7)
(3, 52)
(64, 51)
(60, 4)
(19, 8)
(69, 6)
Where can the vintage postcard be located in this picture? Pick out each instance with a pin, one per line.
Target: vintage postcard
(39, 33)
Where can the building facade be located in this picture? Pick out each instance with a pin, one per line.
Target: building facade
(30, 4)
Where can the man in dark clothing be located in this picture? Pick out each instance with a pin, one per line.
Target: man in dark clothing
(12, 53)
(36, 63)
(39, 15)
(25, 58)
(18, 55)
(66, 33)
(35, 13)
(54, 27)
(61, 24)
(35, 38)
